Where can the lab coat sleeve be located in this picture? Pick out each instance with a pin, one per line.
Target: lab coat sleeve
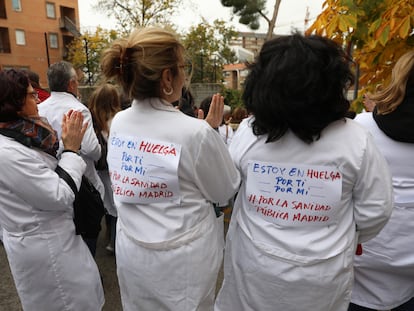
(36, 183)
(90, 147)
(372, 194)
(215, 174)
(238, 146)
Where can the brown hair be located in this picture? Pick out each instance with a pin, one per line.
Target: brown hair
(13, 92)
(137, 62)
(104, 103)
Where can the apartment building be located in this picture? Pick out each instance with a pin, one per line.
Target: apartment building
(251, 41)
(35, 33)
(250, 44)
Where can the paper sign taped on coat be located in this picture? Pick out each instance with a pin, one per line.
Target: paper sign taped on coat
(292, 194)
(143, 170)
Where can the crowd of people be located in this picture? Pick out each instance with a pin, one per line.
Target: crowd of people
(322, 204)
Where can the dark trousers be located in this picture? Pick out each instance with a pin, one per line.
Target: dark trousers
(408, 306)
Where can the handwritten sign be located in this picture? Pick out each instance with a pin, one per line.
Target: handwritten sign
(143, 170)
(291, 194)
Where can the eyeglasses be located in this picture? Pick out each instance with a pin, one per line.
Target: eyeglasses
(34, 94)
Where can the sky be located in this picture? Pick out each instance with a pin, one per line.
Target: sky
(291, 15)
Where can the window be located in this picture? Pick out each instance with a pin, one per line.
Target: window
(17, 6)
(53, 41)
(20, 37)
(8, 67)
(50, 10)
(3, 9)
(4, 40)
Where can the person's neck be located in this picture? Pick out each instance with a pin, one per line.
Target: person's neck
(69, 92)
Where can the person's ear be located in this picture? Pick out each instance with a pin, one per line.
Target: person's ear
(166, 84)
(70, 85)
(167, 78)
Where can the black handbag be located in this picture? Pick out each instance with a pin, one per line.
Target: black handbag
(102, 164)
(88, 206)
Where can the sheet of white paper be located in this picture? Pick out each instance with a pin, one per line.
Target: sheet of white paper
(293, 194)
(143, 170)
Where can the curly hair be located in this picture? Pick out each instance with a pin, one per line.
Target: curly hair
(297, 83)
(13, 92)
(137, 62)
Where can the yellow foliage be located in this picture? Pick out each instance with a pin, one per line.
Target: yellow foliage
(405, 27)
(90, 44)
(380, 30)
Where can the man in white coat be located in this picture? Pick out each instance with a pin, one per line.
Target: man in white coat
(63, 84)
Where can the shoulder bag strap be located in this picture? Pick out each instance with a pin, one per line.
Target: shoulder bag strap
(27, 142)
(66, 177)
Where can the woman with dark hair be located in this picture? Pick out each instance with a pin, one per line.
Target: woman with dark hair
(34, 81)
(51, 265)
(384, 274)
(313, 183)
(186, 103)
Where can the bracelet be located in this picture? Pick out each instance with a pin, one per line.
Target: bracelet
(68, 150)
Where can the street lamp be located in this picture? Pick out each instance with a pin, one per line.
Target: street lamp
(85, 40)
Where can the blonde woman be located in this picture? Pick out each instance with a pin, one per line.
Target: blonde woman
(384, 273)
(166, 169)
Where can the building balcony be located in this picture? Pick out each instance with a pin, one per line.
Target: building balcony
(65, 23)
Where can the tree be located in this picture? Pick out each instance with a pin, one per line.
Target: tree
(130, 14)
(250, 11)
(85, 52)
(375, 32)
(208, 48)
(233, 98)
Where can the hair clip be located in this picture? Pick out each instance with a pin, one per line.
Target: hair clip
(124, 59)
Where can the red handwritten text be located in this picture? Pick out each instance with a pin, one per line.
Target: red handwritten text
(155, 194)
(310, 206)
(309, 218)
(157, 148)
(123, 192)
(271, 213)
(323, 174)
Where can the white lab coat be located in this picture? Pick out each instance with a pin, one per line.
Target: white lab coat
(169, 254)
(51, 266)
(384, 274)
(270, 266)
(226, 132)
(53, 109)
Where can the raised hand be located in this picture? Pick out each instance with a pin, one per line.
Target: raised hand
(215, 113)
(73, 130)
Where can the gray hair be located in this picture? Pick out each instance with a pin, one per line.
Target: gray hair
(59, 75)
